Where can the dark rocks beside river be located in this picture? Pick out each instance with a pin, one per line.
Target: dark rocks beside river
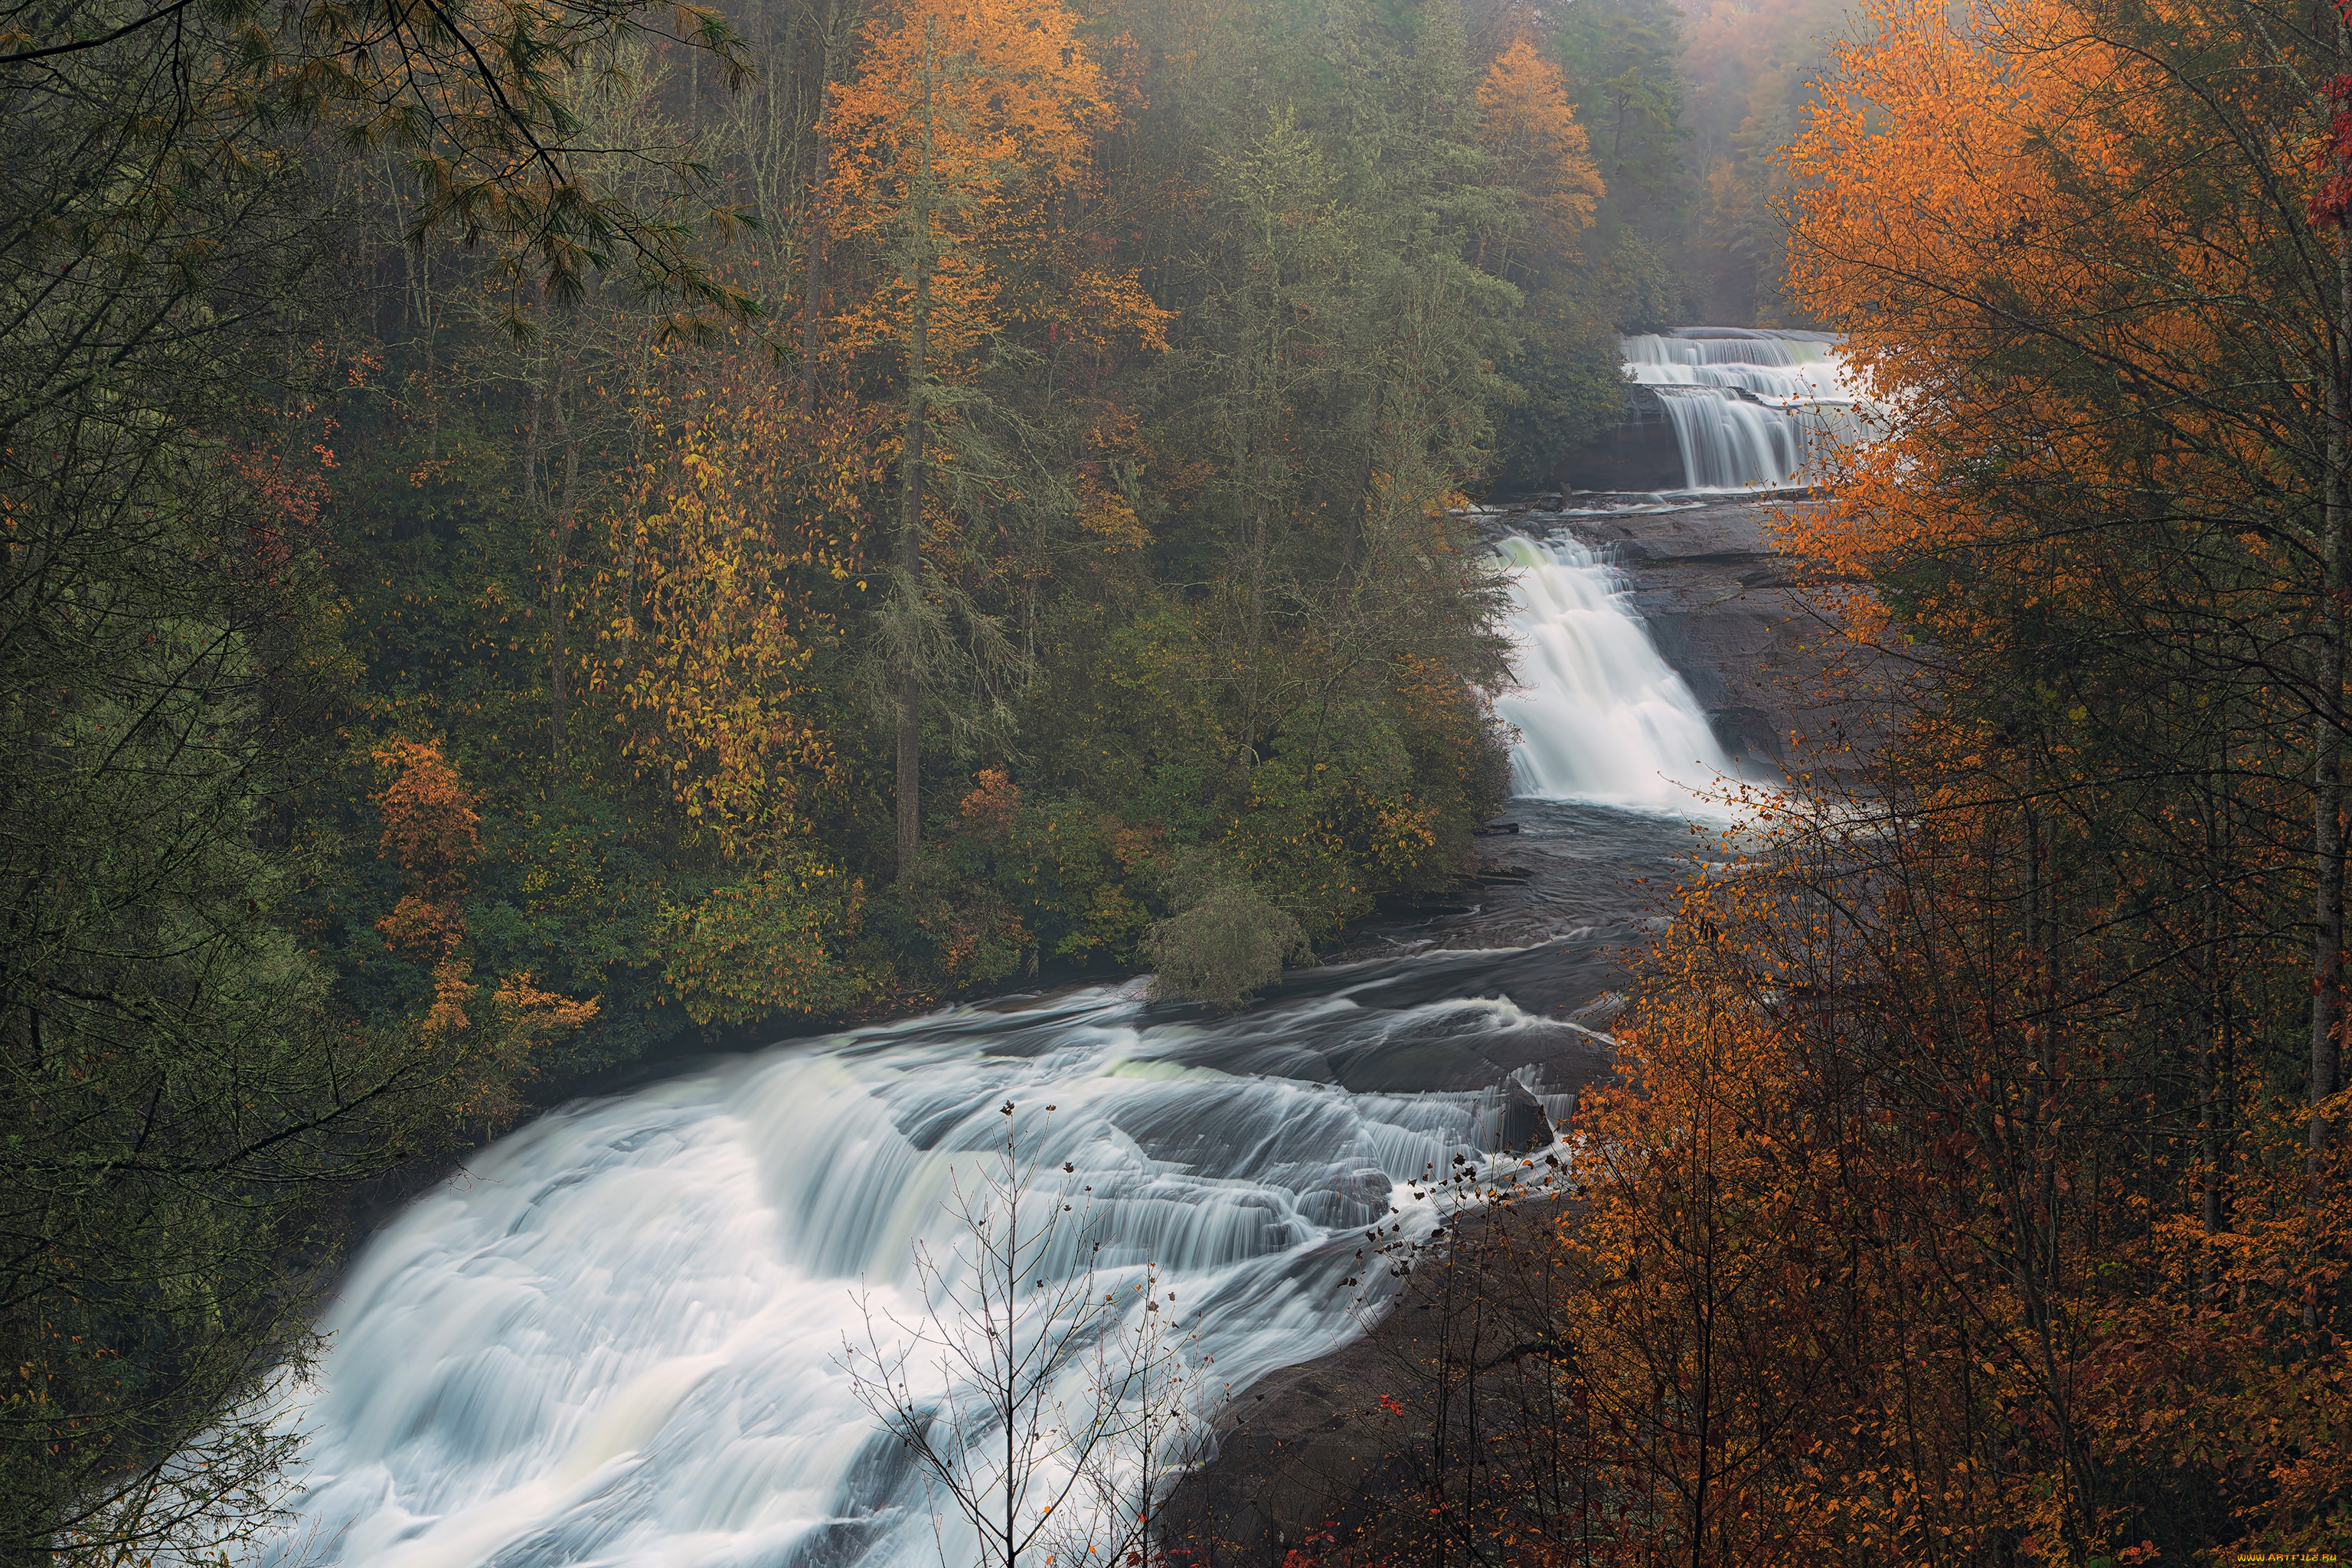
(1338, 1450)
(1577, 886)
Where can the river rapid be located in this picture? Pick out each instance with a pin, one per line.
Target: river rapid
(618, 1336)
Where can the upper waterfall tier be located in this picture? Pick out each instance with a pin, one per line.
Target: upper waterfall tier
(1750, 408)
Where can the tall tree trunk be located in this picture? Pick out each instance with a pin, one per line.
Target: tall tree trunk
(2328, 767)
(910, 691)
(812, 277)
(910, 522)
(2212, 1024)
(530, 445)
(1352, 553)
(567, 514)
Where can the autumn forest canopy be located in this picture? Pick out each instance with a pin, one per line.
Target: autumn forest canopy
(541, 536)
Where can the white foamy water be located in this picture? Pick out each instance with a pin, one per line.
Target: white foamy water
(618, 1338)
(1600, 716)
(1750, 409)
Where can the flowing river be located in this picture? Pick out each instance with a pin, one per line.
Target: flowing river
(618, 1337)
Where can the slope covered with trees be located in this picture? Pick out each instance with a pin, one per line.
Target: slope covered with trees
(536, 531)
(1069, 543)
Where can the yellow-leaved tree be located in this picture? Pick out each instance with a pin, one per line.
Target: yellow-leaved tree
(736, 535)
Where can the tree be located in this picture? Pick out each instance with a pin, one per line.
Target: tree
(2220, 451)
(967, 127)
(185, 1103)
(1224, 943)
(1023, 1389)
(713, 602)
(181, 1106)
(2037, 1218)
(432, 832)
(1624, 58)
(1526, 121)
(1568, 366)
(1754, 72)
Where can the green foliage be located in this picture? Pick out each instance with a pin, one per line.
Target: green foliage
(1572, 392)
(178, 1107)
(291, 484)
(1624, 57)
(755, 950)
(1232, 943)
(1272, 649)
(1755, 70)
(187, 1092)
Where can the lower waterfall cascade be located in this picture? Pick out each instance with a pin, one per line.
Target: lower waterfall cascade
(1600, 716)
(619, 1337)
(1750, 407)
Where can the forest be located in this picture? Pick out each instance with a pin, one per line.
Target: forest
(547, 537)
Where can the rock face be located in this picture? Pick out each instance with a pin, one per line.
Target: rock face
(1640, 454)
(1736, 620)
(1304, 1448)
(1324, 1454)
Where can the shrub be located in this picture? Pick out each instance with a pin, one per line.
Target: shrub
(1230, 943)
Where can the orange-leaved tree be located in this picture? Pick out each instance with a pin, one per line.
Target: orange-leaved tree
(481, 1048)
(2075, 246)
(963, 155)
(1942, 1078)
(1526, 120)
(2042, 1009)
(1717, 1285)
(432, 833)
(2155, 343)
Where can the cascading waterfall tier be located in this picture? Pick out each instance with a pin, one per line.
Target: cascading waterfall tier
(1750, 409)
(618, 1338)
(1600, 716)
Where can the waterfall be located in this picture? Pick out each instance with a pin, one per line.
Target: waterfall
(617, 1337)
(1600, 716)
(1749, 408)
